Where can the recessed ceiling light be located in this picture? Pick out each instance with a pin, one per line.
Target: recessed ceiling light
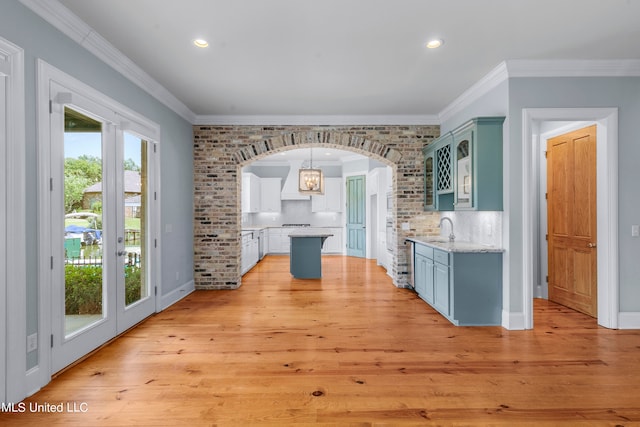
(201, 43)
(435, 43)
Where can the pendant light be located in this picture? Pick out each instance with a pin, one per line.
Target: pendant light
(310, 181)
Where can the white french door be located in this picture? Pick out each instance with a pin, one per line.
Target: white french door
(3, 237)
(100, 224)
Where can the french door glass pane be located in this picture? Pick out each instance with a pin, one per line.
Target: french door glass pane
(83, 278)
(135, 210)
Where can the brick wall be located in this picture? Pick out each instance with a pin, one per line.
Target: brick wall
(221, 151)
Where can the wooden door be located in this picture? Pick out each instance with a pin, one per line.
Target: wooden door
(571, 212)
(356, 216)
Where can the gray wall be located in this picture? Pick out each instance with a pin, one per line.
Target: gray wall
(40, 40)
(510, 98)
(586, 92)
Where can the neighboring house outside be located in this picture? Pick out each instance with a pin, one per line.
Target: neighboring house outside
(132, 191)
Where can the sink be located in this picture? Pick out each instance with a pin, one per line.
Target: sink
(436, 240)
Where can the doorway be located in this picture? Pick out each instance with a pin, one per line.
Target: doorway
(356, 207)
(99, 234)
(571, 220)
(606, 120)
(12, 225)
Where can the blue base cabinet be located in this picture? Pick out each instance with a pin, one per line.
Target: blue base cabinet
(465, 287)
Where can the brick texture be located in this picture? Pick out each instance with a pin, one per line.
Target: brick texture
(221, 151)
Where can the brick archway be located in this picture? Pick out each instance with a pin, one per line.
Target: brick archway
(346, 141)
(220, 152)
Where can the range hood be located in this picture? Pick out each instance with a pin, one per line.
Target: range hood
(290, 187)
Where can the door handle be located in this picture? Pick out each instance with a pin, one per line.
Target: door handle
(121, 253)
(591, 245)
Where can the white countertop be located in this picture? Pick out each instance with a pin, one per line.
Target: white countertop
(455, 246)
(310, 232)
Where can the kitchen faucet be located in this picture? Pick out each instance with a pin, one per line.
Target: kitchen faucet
(452, 236)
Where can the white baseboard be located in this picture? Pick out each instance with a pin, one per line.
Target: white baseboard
(177, 294)
(513, 321)
(629, 320)
(33, 381)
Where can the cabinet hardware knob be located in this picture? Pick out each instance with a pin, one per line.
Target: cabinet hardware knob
(591, 245)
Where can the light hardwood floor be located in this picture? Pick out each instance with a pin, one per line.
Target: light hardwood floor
(349, 349)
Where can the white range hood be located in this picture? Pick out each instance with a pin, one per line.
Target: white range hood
(290, 187)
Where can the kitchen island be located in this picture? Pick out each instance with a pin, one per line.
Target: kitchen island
(305, 253)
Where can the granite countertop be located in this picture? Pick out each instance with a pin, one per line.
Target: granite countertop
(456, 246)
(310, 232)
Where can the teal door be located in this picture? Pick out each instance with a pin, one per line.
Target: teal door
(356, 216)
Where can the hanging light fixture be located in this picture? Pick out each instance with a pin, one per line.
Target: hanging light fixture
(310, 181)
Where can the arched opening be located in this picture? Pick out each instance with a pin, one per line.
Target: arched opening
(339, 158)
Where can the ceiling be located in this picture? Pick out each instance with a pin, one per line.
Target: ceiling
(349, 57)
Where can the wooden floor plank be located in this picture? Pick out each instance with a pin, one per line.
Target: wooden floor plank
(347, 349)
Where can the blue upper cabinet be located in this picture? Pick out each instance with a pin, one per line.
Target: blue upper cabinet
(438, 174)
(463, 168)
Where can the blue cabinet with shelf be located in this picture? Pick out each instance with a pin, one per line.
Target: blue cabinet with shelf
(463, 168)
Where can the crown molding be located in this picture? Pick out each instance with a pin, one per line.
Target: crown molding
(484, 85)
(69, 24)
(318, 120)
(518, 68)
(573, 68)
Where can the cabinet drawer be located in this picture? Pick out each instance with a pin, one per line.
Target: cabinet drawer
(441, 256)
(425, 251)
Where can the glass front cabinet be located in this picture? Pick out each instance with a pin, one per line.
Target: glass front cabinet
(463, 168)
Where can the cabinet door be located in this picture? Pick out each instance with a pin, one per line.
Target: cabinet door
(441, 289)
(274, 240)
(420, 274)
(464, 171)
(429, 181)
(270, 195)
(429, 281)
(250, 193)
(444, 170)
(331, 200)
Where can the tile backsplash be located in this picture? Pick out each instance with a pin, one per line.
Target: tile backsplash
(294, 212)
(484, 228)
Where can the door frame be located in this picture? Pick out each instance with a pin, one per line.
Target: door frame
(607, 205)
(13, 298)
(128, 120)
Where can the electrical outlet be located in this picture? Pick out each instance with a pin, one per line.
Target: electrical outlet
(405, 226)
(32, 342)
(635, 230)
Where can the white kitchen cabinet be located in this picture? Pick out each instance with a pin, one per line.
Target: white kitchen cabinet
(279, 242)
(250, 193)
(270, 194)
(331, 200)
(333, 244)
(250, 251)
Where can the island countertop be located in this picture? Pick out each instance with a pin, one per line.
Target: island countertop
(310, 232)
(455, 246)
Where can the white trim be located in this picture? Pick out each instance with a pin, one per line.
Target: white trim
(49, 77)
(540, 68)
(513, 321)
(629, 320)
(478, 89)
(69, 24)
(573, 68)
(14, 166)
(177, 294)
(607, 205)
(319, 120)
